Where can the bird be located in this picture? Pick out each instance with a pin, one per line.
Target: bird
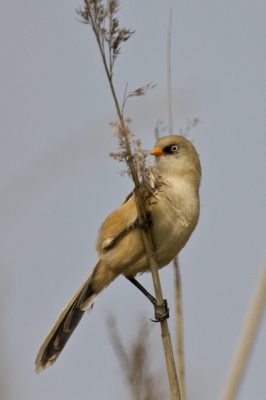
(174, 215)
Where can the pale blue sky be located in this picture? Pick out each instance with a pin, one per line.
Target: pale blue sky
(58, 184)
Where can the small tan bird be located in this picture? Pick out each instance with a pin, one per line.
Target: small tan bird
(174, 215)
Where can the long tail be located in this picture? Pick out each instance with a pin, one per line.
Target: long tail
(68, 319)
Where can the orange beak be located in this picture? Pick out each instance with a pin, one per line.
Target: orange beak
(156, 152)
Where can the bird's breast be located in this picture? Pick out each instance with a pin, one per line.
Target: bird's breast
(175, 216)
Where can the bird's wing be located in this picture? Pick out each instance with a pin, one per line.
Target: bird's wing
(131, 194)
(121, 219)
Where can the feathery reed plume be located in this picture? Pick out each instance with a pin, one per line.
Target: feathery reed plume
(190, 125)
(149, 177)
(138, 92)
(96, 14)
(159, 129)
(136, 363)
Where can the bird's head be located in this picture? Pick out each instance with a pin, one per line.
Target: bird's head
(176, 156)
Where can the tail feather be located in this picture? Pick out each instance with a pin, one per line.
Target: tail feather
(66, 323)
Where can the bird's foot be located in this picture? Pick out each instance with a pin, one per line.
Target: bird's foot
(159, 316)
(146, 224)
(161, 311)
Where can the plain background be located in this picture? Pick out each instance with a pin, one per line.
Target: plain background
(58, 184)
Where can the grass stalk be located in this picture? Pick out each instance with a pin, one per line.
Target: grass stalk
(178, 293)
(169, 72)
(179, 330)
(94, 14)
(246, 339)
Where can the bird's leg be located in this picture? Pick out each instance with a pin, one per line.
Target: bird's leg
(142, 289)
(146, 224)
(158, 316)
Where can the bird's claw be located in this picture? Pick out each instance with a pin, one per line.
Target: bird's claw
(158, 316)
(146, 224)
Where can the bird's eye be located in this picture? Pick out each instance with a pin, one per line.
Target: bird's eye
(174, 148)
